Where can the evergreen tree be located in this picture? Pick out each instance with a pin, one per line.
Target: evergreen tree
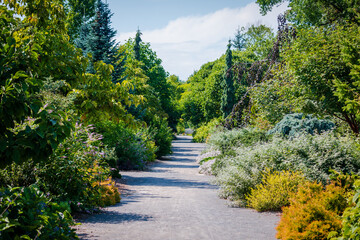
(138, 40)
(228, 97)
(104, 43)
(239, 42)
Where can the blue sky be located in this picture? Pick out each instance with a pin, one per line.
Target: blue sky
(186, 33)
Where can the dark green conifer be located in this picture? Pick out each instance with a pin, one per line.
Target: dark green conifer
(228, 97)
(138, 40)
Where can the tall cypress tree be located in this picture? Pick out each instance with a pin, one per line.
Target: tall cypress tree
(228, 97)
(138, 40)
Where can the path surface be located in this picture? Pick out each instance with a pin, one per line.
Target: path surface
(172, 201)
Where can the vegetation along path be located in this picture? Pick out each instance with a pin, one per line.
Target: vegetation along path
(172, 201)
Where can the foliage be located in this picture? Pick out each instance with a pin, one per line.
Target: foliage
(109, 193)
(202, 133)
(100, 99)
(26, 213)
(15, 175)
(239, 169)
(316, 12)
(274, 191)
(75, 168)
(298, 123)
(323, 61)
(132, 150)
(350, 218)
(162, 135)
(225, 140)
(228, 95)
(313, 212)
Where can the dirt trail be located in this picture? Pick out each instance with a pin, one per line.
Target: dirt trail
(172, 201)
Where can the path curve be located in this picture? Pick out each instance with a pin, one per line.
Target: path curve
(172, 201)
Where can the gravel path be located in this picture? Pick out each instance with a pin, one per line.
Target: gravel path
(172, 201)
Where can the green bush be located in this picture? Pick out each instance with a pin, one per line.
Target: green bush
(202, 133)
(162, 136)
(313, 155)
(26, 213)
(74, 168)
(351, 217)
(132, 150)
(16, 175)
(274, 191)
(298, 123)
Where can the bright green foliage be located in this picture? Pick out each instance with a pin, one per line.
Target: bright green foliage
(201, 100)
(274, 191)
(351, 217)
(313, 212)
(132, 150)
(26, 213)
(99, 99)
(228, 95)
(327, 74)
(26, 48)
(316, 12)
(259, 41)
(202, 133)
(298, 123)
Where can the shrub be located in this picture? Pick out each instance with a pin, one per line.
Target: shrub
(73, 169)
(109, 193)
(314, 156)
(297, 123)
(274, 191)
(26, 213)
(313, 212)
(16, 175)
(225, 140)
(132, 150)
(202, 133)
(162, 135)
(351, 217)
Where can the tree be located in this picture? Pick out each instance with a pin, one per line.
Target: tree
(137, 47)
(79, 12)
(228, 97)
(239, 41)
(316, 12)
(103, 44)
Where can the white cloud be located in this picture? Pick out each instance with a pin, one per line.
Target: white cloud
(189, 42)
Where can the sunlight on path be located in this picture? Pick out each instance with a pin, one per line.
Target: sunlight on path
(172, 201)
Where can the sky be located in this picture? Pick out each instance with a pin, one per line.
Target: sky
(186, 34)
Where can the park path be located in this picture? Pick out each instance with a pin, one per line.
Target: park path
(171, 201)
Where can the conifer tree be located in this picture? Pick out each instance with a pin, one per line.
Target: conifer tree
(138, 40)
(228, 97)
(239, 41)
(104, 42)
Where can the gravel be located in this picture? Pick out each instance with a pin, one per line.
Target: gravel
(172, 201)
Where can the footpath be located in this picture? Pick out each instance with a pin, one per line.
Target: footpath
(171, 201)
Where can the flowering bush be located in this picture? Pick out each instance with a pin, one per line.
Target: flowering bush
(73, 169)
(26, 213)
